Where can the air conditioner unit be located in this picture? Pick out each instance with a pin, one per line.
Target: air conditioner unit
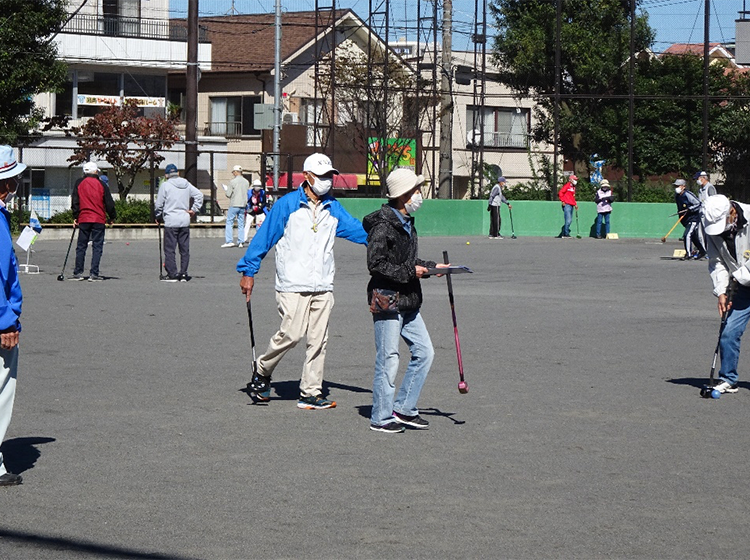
(287, 117)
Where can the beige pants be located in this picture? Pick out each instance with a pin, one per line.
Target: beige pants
(302, 314)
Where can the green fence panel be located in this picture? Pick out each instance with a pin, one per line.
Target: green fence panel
(470, 218)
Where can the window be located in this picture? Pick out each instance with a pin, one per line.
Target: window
(504, 127)
(312, 115)
(232, 116)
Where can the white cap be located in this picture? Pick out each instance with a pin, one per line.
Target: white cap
(237, 168)
(90, 168)
(257, 183)
(319, 164)
(715, 212)
(401, 181)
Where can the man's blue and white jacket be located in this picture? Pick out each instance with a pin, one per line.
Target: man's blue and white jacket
(303, 234)
(11, 300)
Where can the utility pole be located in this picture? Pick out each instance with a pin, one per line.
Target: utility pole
(631, 100)
(277, 97)
(556, 112)
(706, 30)
(191, 96)
(445, 189)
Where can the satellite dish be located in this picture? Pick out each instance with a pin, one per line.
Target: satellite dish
(474, 138)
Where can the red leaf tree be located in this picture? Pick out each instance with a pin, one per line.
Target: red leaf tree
(125, 140)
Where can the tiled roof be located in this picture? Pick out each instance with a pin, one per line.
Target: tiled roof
(245, 43)
(689, 48)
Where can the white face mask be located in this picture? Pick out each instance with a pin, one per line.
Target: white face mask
(574, 183)
(678, 190)
(414, 203)
(321, 185)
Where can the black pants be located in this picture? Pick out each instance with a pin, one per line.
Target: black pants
(494, 221)
(87, 231)
(174, 237)
(694, 238)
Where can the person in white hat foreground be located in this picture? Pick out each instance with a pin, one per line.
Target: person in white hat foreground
(302, 225)
(237, 194)
(10, 303)
(256, 207)
(727, 226)
(92, 207)
(395, 296)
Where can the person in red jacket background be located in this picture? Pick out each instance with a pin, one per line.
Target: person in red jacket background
(92, 208)
(567, 196)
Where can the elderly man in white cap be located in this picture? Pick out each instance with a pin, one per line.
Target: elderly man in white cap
(302, 226)
(236, 193)
(10, 303)
(395, 297)
(705, 188)
(93, 207)
(727, 225)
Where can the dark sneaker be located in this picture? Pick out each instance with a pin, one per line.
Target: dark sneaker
(185, 278)
(413, 421)
(725, 387)
(10, 479)
(389, 428)
(169, 278)
(315, 403)
(259, 384)
(77, 277)
(95, 278)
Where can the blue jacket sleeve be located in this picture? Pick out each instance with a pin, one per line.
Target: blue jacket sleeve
(11, 299)
(268, 235)
(348, 226)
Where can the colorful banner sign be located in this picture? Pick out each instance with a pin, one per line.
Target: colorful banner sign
(104, 100)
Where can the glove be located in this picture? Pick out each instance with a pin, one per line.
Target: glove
(742, 275)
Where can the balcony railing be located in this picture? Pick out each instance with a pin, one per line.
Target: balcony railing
(226, 129)
(141, 28)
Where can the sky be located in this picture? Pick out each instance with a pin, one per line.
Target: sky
(675, 21)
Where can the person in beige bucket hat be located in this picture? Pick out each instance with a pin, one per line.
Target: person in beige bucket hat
(395, 297)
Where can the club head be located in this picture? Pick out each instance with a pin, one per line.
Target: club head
(578, 236)
(513, 236)
(463, 388)
(61, 278)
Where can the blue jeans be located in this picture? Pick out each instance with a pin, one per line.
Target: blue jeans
(235, 213)
(602, 216)
(729, 343)
(388, 328)
(568, 213)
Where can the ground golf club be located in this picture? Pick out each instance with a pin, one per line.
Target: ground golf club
(463, 387)
(512, 229)
(161, 261)
(250, 389)
(664, 239)
(62, 274)
(578, 231)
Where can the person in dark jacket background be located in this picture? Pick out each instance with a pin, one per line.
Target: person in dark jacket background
(395, 297)
(92, 208)
(689, 207)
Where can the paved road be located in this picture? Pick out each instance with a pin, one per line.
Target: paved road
(582, 436)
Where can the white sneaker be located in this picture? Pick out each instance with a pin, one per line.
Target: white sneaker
(241, 245)
(725, 387)
(227, 245)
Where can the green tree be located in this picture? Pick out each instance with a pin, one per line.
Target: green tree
(28, 60)
(595, 46)
(124, 139)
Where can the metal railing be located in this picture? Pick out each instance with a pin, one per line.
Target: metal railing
(227, 129)
(142, 28)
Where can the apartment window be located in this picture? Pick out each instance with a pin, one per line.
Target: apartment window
(312, 115)
(504, 127)
(233, 116)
